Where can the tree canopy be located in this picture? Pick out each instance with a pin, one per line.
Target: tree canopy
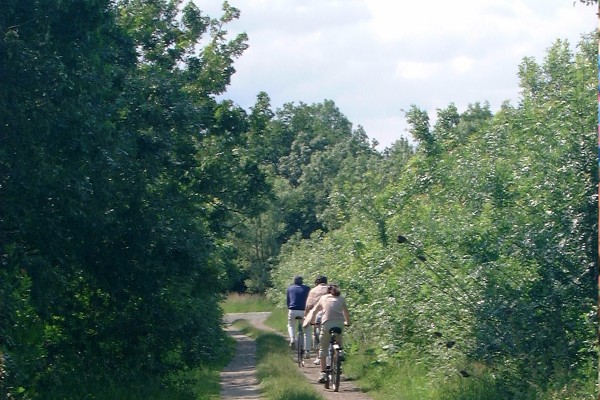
(121, 174)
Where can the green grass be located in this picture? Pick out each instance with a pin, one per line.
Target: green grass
(240, 303)
(407, 380)
(278, 320)
(404, 379)
(280, 378)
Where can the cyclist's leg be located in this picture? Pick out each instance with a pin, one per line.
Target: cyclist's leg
(341, 350)
(324, 338)
(315, 343)
(308, 338)
(290, 326)
(307, 342)
(323, 349)
(317, 329)
(292, 314)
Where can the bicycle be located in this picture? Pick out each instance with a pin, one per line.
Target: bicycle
(300, 343)
(317, 337)
(333, 370)
(317, 341)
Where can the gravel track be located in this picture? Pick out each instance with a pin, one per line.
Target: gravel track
(238, 379)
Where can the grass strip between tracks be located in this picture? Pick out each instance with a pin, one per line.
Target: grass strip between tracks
(279, 377)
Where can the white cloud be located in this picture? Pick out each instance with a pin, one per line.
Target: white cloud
(462, 64)
(376, 57)
(410, 70)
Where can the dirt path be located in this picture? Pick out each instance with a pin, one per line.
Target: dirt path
(238, 379)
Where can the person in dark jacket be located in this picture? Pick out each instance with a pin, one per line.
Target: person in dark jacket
(297, 293)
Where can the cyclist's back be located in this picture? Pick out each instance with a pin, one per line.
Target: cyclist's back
(296, 296)
(315, 295)
(335, 315)
(334, 309)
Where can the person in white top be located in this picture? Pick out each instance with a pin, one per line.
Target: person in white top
(335, 314)
(314, 295)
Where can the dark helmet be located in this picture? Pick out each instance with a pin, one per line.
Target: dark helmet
(321, 279)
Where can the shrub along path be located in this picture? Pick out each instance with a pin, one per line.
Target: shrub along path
(238, 379)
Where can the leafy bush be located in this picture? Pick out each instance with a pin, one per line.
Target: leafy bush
(495, 266)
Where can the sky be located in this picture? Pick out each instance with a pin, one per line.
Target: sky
(376, 58)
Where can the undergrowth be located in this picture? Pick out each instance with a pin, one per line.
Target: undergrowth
(406, 379)
(201, 383)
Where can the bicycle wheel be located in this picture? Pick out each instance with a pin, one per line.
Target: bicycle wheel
(328, 368)
(336, 370)
(300, 349)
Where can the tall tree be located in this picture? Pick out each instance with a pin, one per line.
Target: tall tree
(121, 173)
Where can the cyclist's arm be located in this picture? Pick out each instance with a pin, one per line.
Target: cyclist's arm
(346, 314)
(310, 303)
(307, 318)
(318, 306)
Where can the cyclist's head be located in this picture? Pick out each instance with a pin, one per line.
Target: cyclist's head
(321, 279)
(333, 289)
(298, 280)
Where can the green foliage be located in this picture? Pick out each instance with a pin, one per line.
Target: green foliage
(121, 177)
(420, 128)
(20, 328)
(495, 273)
(321, 143)
(307, 151)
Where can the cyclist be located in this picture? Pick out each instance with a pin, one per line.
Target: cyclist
(314, 295)
(296, 296)
(335, 314)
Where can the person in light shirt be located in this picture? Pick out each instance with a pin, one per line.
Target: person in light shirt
(335, 315)
(314, 295)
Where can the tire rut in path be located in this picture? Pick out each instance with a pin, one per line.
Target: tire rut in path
(239, 381)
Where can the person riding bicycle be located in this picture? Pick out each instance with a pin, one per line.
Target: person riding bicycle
(296, 296)
(335, 315)
(314, 295)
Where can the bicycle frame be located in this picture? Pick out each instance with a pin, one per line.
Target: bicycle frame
(300, 343)
(334, 363)
(316, 334)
